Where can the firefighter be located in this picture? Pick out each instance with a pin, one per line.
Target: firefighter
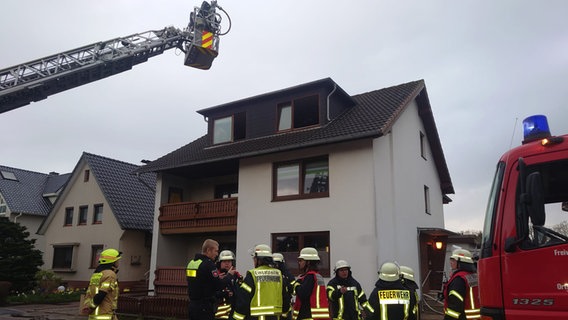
(345, 294)
(203, 281)
(390, 299)
(461, 297)
(101, 298)
(226, 297)
(261, 295)
(287, 279)
(407, 277)
(309, 288)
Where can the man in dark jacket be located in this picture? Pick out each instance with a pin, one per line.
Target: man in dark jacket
(390, 299)
(407, 278)
(345, 294)
(203, 281)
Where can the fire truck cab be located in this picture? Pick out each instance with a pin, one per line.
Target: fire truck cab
(523, 264)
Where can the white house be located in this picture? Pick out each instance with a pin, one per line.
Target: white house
(362, 178)
(26, 197)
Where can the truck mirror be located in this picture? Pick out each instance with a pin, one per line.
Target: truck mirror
(535, 205)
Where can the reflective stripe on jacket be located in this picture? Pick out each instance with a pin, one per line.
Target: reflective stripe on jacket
(106, 281)
(470, 301)
(319, 306)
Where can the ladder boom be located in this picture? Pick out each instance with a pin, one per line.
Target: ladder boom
(38, 79)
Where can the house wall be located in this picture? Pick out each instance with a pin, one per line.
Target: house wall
(261, 114)
(177, 249)
(400, 176)
(348, 213)
(32, 223)
(108, 233)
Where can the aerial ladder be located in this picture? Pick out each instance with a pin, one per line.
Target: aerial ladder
(36, 80)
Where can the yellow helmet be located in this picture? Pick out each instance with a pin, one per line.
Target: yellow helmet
(109, 256)
(309, 253)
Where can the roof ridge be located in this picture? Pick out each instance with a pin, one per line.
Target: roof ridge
(389, 88)
(25, 170)
(107, 158)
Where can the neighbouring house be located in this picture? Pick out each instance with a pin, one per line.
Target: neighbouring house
(361, 178)
(26, 197)
(104, 205)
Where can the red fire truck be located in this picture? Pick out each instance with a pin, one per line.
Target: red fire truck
(523, 264)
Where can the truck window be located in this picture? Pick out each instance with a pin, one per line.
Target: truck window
(555, 186)
(487, 239)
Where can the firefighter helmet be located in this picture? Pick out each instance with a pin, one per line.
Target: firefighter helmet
(109, 256)
(407, 273)
(462, 255)
(389, 272)
(277, 257)
(226, 255)
(309, 253)
(341, 264)
(262, 250)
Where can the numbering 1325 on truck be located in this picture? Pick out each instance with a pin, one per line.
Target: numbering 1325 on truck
(523, 265)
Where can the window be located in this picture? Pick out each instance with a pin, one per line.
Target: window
(427, 200)
(68, 216)
(224, 191)
(8, 175)
(86, 175)
(545, 200)
(423, 145)
(95, 253)
(298, 113)
(83, 210)
(290, 244)
(227, 129)
(308, 178)
(63, 256)
(3, 206)
(175, 195)
(98, 214)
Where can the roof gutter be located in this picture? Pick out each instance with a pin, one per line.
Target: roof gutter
(329, 95)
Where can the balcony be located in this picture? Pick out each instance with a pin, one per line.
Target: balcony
(198, 217)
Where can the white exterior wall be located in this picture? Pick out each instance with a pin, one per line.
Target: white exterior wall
(32, 223)
(400, 176)
(348, 213)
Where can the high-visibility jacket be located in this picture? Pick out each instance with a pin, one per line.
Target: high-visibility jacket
(262, 289)
(226, 297)
(390, 300)
(346, 305)
(462, 302)
(318, 307)
(106, 281)
(413, 287)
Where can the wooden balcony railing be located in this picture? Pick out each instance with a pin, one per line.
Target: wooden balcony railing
(170, 281)
(196, 217)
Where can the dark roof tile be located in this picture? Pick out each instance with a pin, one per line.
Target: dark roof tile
(130, 196)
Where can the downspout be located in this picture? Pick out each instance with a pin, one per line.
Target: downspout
(329, 95)
(16, 217)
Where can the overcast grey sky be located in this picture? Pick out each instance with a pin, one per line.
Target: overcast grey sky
(487, 65)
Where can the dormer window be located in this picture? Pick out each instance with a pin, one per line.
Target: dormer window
(228, 129)
(298, 113)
